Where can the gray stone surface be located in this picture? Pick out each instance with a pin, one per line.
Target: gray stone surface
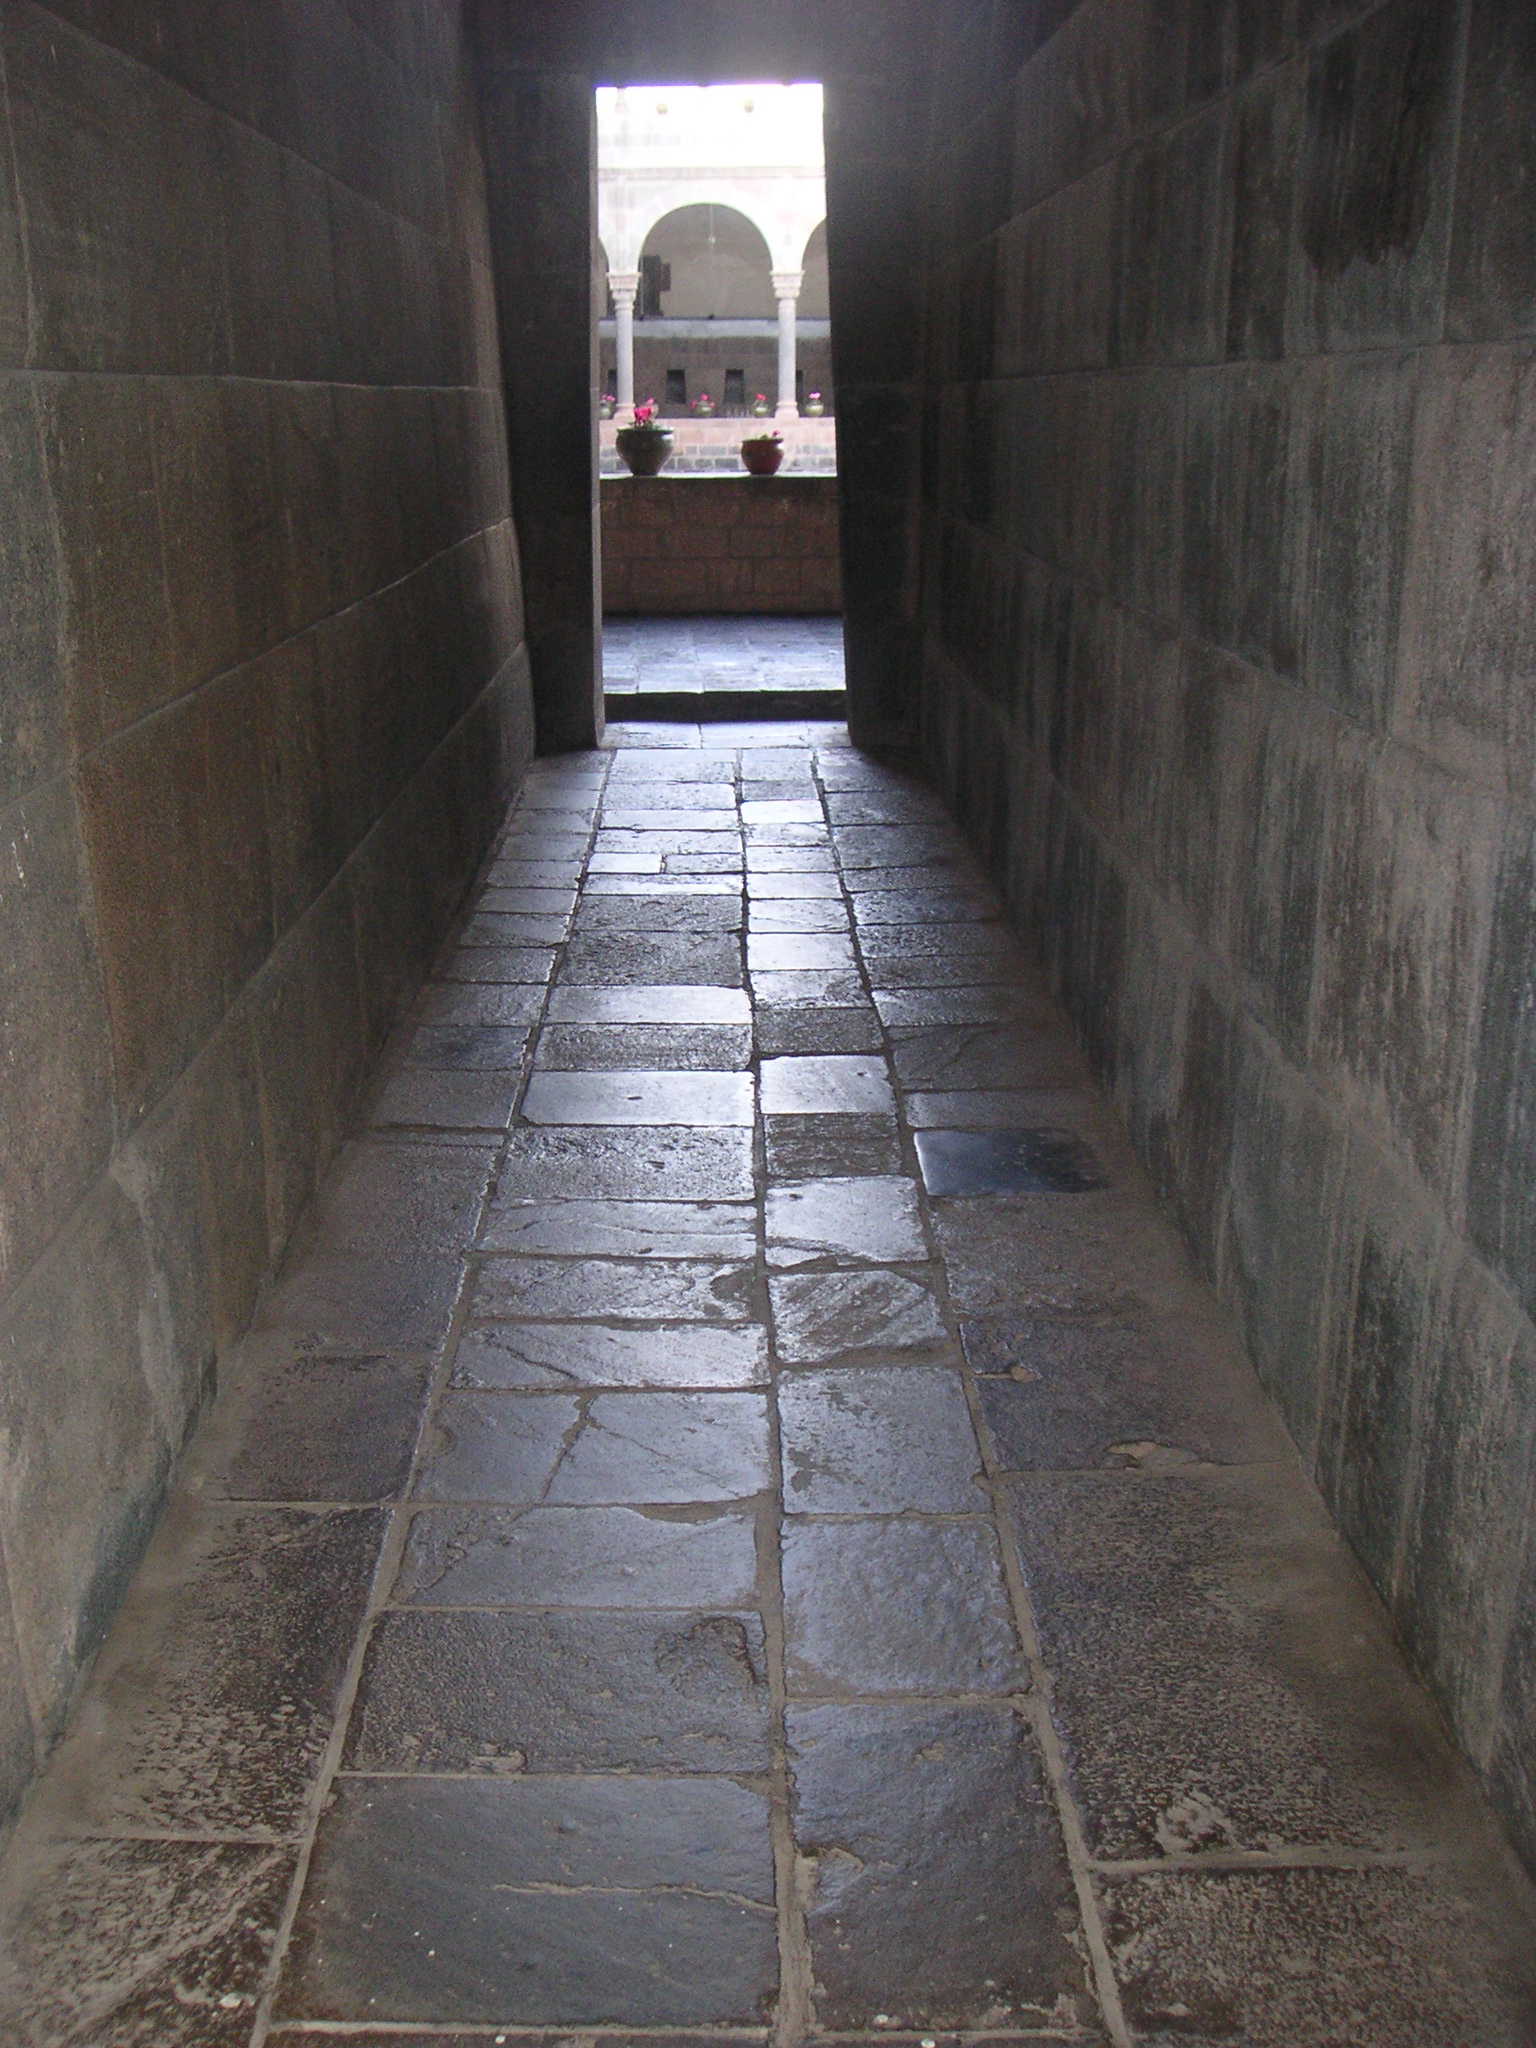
(749, 1578)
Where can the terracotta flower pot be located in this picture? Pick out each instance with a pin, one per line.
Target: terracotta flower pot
(643, 449)
(762, 455)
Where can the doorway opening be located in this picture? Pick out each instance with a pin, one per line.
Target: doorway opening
(717, 432)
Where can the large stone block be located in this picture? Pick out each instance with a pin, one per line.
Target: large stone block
(1501, 1155)
(175, 824)
(1054, 277)
(1512, 1769)
(1468, 648)
(1173, 237)
(116, 646)
(1463, 1551)
(1375, 181)
(55, 1111)
(1266, 126)
(1407, 890)
(1358, 532)
(1283, 1191)
(83, 1456)
(282, 296)
(1391, 1243)
(115, 168)
(1272, 854)
(1146, 460)
(32, 731)
(1492, 287)
(19, 1747)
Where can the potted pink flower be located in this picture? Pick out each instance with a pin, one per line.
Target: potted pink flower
(762, 453)
(703, 406)
(646, 445)
(760, 406)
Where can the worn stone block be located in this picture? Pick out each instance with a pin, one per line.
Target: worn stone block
(1468, 645)
(32, 724)
(1501, 1200)
(55, 1124)
(115, 168)
(1379, 1313)
(1368, 262)
(1173, 232)
(1265, 136)
(1459, 1593)
(1358, 521)
(1492, 287)
(1406, 895)
(85, 1456)
(1285, 1181)
(117, 646)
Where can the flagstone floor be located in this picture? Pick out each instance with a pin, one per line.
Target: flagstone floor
(738, 1515)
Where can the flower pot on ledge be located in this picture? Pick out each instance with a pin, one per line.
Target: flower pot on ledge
(762, 454)
(643, 450)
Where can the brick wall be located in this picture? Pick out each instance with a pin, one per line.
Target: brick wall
(720, 544)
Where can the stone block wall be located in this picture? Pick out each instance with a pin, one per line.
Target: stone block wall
(262, 699)
(720, 544)
(1229, 630)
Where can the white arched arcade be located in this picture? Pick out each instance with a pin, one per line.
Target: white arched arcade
(754, 150)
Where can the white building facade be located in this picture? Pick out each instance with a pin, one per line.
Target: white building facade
(711, 214)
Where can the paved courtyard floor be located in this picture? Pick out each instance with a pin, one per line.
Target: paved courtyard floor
(704, 655)
(738, 1521)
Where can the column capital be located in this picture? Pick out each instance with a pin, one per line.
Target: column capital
(786, 283)
(624, 284)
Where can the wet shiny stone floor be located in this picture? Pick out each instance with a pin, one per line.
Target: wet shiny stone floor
(738, 1517)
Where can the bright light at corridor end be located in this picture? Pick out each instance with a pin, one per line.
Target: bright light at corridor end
(758, 127)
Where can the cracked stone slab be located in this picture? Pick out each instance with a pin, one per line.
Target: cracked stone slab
(819, 1317)
(952, 1056)
(613, 1163)
(495, 1447)
(614, 1290)
(532, 1355)
(667, 1447)
(897, 1606)
(401, 1194)
(502, 1693)
(873, 1219)
(539, 1900)
(700, 1230)
(826, 1083)
(579, 1557)
(902, 1930)
(669, 1096)
(878, 1440)
(140, 1944)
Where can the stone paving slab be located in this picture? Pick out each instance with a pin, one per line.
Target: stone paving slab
(738, 1522)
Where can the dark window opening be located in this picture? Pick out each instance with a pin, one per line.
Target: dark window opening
(655, 278)
(735, 388)
(677, 387)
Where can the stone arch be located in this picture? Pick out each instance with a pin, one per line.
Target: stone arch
(814, 300)
(720, 259)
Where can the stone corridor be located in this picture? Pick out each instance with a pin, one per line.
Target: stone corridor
(737, 1513)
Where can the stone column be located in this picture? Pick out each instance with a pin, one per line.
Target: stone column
(786, 289)
(624, 284)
